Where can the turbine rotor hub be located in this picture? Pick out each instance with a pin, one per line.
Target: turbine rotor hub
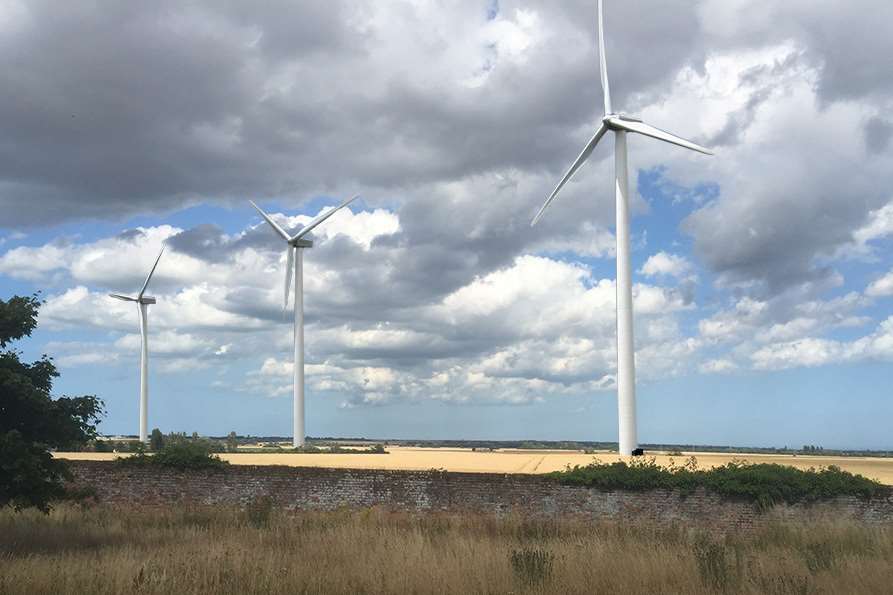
(610, 120)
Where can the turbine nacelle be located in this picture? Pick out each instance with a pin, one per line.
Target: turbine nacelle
(141, 298)
(297, 240)
(624, 123)
(126, 298)
(609, 120)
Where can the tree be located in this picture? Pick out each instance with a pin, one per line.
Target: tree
(232, 442)
(31, 421)
(156, 440)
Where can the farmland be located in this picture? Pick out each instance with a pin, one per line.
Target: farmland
(522, 460)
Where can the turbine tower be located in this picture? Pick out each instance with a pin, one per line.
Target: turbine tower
(620, 124)
(142, 302)
(297, 243)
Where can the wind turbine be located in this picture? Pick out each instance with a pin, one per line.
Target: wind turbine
(620, 124)
(297, 243)
(142, 302)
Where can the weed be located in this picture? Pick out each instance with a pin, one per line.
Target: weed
(714, 566)
(532, 566)
(258, 511)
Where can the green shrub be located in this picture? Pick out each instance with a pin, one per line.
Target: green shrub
(763, 483)
(177, 455)
(307, 449)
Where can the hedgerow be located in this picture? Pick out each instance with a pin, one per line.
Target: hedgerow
(179, 455)
(764, 483)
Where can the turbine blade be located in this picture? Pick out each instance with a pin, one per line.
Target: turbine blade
(649, 130)
(289, 269)
(603, 62)
(149, 278)
(125, 298)
(587, 151)
(320, 218)
(272, 223)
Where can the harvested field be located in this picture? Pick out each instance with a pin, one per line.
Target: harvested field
(522, 461)
(189, 551)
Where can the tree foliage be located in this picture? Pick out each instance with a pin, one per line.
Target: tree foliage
(32, 422)
(156, 440)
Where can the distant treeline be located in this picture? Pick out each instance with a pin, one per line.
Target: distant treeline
(232, 440)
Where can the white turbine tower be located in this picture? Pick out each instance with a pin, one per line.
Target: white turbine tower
(142, 301)
(620, 124)
(297, 243)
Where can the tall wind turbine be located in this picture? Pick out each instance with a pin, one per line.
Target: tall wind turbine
(297, 243)
(142, 302)
(620, 124)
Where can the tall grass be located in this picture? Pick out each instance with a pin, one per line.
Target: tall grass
(203, 550)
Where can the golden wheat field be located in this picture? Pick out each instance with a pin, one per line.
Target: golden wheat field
(522, 461)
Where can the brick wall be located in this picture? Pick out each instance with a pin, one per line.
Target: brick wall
(311, 488)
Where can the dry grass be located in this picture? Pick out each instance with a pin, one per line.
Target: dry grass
(522, 461)
(105, 550)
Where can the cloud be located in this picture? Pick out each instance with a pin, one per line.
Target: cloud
(882, 286)
(878, 225)
(535, 328)
(436, 285)
(802, 353)
(70, 354)
(812, 352)
(662, 263)
(877, 134)
(717, 366)
(213, 102)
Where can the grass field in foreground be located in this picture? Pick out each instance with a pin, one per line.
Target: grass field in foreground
(523, 461)
(109, 550)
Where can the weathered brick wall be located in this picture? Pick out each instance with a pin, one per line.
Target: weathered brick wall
(310, 488)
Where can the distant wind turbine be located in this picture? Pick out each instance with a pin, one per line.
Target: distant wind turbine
(620, 124)
(142, 302)
(297, 243)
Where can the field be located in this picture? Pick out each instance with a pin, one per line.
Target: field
(104, 550)
(523, 461)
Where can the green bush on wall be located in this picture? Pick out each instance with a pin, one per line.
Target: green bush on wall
(763, 483)
(178, 455)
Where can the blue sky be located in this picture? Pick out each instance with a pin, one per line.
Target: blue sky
(764, 276)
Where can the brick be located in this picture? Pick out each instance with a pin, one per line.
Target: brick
(314, 488)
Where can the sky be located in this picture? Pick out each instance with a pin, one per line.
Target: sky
(763, 275)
